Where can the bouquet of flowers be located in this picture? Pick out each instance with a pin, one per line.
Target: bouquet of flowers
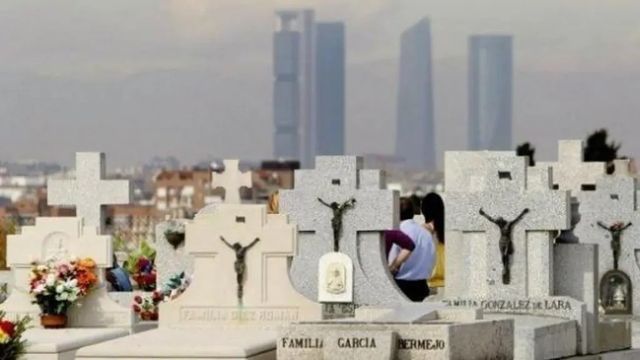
(12, 347)
(56, 285)
(144, 274)
(147, 306)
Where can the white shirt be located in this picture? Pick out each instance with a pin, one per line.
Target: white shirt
(419, 265)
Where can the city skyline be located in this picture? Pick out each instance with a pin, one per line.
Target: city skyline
(194, 80)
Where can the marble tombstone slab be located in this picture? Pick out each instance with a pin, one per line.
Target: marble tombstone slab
(95, 318)
(605, 213)
(239, 295)
(408, 332)
(501, 219)
(341, 209)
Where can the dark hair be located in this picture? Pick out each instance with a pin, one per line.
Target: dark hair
(433, 210)
(407, 209)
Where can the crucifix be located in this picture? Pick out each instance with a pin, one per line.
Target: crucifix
(336, 221)
(232, 179)
(240, 265)
(616, 231)
(505, 243)
(89, 192)
(504, 185)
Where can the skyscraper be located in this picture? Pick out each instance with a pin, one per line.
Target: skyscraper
(330, 103)
(490, 92)
(294, 86)
(415, 140)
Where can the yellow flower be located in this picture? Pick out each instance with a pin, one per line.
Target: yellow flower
(4, 338)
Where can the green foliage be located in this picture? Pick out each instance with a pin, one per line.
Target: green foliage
(119, 243)
(599, 149)
(143, 251)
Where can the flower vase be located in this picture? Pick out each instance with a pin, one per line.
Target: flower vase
(50, 321)
(174, 238)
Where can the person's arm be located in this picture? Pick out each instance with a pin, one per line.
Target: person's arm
(399, 260)
(626, 226)
(401, 239)
(603, 225)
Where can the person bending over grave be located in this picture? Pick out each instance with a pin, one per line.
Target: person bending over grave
(505, 243)
(616, 231)
(433, 211)
(411, 273)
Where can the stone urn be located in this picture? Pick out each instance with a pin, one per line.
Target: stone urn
(174, 238)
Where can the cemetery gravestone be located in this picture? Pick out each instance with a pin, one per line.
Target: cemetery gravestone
(249, 287)
(409, 332)
(610, 218)
(238, 296)
(546, 281)
(570, 172)
(341, 210)
(89, 192)
(64, 239)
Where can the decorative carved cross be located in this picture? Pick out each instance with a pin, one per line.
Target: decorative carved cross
(232, 179)
(89, 192)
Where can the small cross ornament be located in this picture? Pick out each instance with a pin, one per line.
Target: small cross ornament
(232, 179)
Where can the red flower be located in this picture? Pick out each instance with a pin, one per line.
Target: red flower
(8, 327)
(137, 299)
(136, 308)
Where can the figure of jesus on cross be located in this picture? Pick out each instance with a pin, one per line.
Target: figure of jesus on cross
(616, 231)
(240, 264)
(336, 221)
(506, 245)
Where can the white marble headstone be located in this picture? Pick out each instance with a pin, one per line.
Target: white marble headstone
(212, 299)
(64, 239)
(89, 191)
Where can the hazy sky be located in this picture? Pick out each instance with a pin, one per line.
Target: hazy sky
(192, 78)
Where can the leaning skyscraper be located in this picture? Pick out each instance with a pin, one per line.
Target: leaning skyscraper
(490, 92)
(415, 140)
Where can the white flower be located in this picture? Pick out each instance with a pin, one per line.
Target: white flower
(51, 280)
(39, 289)
(60, 289)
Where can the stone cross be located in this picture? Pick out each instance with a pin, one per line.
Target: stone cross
(89, 192)
(570, 172)
(504, 188)
(336, 179)
(613, 200)
(268, 297)
(64, 239)
(232, 179)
